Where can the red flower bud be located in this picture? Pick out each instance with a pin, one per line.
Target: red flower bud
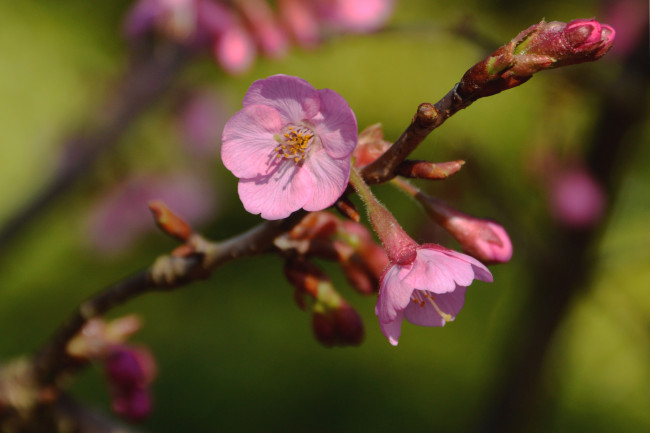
(541, 46)
(341, 326)
(169, 222)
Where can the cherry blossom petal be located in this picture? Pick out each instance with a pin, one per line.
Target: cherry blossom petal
(248, 141)
(277, 195)
(428, 314)
(393, 329)
(394, 294)
(436, 272)
(336, 124)
(423, 314)
(330, 178)
(480, 271)
(294, 98)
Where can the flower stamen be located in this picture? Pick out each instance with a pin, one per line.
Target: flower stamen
(294, 143)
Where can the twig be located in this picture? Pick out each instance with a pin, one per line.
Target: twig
(52, 362)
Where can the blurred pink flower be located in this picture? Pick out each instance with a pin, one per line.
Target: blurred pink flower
(122, 215)
(129, 371)
(630, 19)
(359, 16)
(576, 199)
(290, 146)
(201, 119)
(428, 290)
(301, 21)
(221, 29)
(264, 27)
(175, 18)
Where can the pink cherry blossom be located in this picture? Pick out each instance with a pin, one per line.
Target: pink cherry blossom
(428, 290)
(289, 146)
(359, 16)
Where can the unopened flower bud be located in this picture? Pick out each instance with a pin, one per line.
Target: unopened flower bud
(541, 46)
(315, 225)
(130, 371)
(360, 238)
(483, 239)
(356, 271)
(348, 209)
(340, 326)
(128, 367)
(334, 322)
(133, 404)
(429, 170)
(169, 222)
(370, 146)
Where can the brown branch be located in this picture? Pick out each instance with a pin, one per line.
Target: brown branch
(52, 362)
(539, 47)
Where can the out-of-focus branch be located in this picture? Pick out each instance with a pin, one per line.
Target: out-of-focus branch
(151, 72)
(168, 272)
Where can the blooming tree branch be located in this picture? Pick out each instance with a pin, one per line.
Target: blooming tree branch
(541, 46)
(291, 146)
(52, 362)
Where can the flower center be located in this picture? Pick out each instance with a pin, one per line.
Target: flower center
(294, 143)
(421, 298)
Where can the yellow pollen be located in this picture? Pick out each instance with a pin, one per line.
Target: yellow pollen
(294, 143)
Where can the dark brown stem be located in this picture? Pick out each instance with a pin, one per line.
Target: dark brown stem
(427, 118)
(52, 362)
(149, 76)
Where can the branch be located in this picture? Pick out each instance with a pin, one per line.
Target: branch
(52, 362)
(539, 47)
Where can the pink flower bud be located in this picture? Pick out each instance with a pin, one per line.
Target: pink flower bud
(359, 16)
(357, 272)
(128, 367)
(541, 46)
(371, 145)
(133, 404)
(315, 225)
(234, 50)
(129, 371)
(480, 238)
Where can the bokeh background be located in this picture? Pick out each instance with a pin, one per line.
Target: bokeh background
(559, 342)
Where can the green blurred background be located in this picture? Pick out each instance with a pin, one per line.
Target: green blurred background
(234, 352)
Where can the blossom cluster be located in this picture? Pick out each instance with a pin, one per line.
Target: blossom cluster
(291, 148)
(236, 31)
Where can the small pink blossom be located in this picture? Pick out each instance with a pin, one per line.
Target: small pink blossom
(428, 290)
(289, 146)
(359, 16)
(576, 199)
